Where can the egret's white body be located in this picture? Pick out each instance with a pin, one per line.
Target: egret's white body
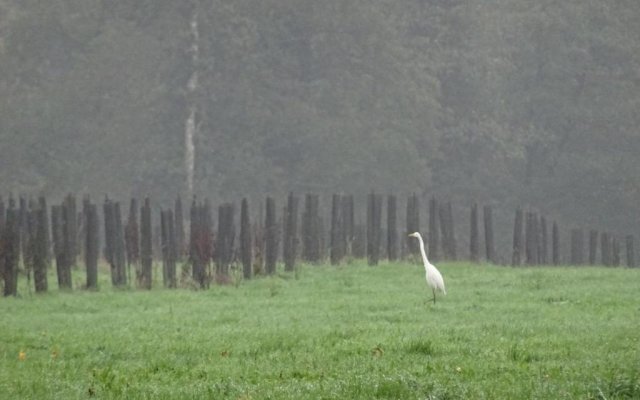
(434, 278)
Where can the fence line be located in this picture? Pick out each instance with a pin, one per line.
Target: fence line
(27, 234)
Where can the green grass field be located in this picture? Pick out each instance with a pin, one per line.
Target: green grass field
(334, 333)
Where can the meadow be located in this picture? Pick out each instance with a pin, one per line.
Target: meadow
(334, 333)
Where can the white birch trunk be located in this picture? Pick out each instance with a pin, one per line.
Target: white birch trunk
(191, 125)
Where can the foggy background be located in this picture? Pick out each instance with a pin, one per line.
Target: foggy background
(504, 102)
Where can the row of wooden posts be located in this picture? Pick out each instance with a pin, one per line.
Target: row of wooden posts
(25, 235)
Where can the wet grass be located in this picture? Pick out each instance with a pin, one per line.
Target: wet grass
(326, 332)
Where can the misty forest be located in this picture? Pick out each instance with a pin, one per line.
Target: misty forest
(504, 102)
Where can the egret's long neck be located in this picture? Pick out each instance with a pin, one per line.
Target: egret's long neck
(424, 253)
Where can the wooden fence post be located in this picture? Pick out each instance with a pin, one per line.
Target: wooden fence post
(225, 241)
(434, 230)
(374, 216)
(146, 240)
(42, 201)
(413, 223)
(246, 248)
(201, 242)
(119, 250)
(178, 224)
(615, 246)
(91, 244)
(605, 249)
(474, 245)
(392, 229)
(169, 248)
(349, 223)
(40, 250)
(11, 250)
(311, 229)
(58, 242)
(532, 239)
(3, 214)
(516, 257)
(593, 247)
(543, 237)
(290, 242)
(132, 239)
(70, 218)
(61, 244)
(577, 247)
(445, 212)
(336, 247)
(631, 257)
(555, 247)
(488, 235)
(271, 237)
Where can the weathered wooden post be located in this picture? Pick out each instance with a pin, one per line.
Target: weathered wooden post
(146, 248)
(132, 239)
(311, 229)
(23, 211)
(42, 201)
(290, 243)
(179, 229)
(392, 229)
(374, 216)
(58, 243)
(201, 242)
(169, 248)
(114, 242)
(531, 238)
(336, 248)
(271, 237)
(225, 242)
(631, 257)
(593, 246)
(413, 223)
(91, 244)
(119, 250)
(516, 257)
(11, 251)
(615, 247)
(444, 234)
(3, 214)
(490, 251)
(543, 237)
(448, 247)
(605, 249)
(577, 247)
(39, 250)
(555, 244)
(434, 230)
(474, 246)
(61, 244)
(348, 211)
(246, 248)
(107, 209)
(70, 229)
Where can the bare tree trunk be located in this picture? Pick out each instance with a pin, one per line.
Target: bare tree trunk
(191, 125)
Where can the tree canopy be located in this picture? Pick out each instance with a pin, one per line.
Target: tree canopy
(504, 101)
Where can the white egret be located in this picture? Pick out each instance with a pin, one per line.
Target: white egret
(434, 278)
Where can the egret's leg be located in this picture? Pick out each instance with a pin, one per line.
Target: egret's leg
(434, 296)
